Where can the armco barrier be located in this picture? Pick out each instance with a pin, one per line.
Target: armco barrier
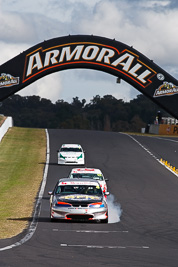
(5, 126)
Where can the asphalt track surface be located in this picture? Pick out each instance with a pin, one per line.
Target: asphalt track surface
(147, 233)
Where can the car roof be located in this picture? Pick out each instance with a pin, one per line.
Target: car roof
(77, 181)
(86, 170)
(71, 145)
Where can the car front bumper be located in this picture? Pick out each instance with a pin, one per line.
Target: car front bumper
(80, 214)
(71, 161)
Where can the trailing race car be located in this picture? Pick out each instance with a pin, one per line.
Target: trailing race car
(90, 173)
(71, 154)
(78, 199)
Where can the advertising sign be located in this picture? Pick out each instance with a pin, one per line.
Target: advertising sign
(90, 52)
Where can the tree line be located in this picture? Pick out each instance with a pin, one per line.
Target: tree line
(102, 113)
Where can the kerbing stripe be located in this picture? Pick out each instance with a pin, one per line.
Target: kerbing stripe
(36, 214)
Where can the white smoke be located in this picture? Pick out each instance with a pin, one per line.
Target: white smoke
(114, 210)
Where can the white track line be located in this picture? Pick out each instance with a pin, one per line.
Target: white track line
(89, 231)
(161, 138)
(110, 247)
(36, 214)
(151, 154)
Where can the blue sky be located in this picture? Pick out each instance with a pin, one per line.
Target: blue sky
(150, 26)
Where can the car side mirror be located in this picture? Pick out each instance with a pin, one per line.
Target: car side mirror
(50, 193)
(106, 179)
(106, 193)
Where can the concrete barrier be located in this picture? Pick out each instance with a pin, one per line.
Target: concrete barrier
(164, 129)
(5, 126)
(154, 129)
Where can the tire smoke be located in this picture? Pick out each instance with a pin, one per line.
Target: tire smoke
(114, 210)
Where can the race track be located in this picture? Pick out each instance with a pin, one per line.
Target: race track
(145, 191)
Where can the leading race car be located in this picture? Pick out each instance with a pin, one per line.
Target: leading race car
(71, 154)
(90, 173)
(78, 199)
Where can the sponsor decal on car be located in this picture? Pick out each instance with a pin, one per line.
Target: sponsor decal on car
(7, 80)
(166, 89)
(79, 197)
(78, 183)
(83, 170)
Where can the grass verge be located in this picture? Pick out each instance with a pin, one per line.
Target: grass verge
(22, 158)
(2, 119)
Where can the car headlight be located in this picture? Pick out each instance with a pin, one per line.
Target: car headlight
(63, 204)
(96, 205)
(80, 157)
(61, 156)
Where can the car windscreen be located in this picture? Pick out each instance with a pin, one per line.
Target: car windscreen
(79, 189)
(94, 176)
(70, 149)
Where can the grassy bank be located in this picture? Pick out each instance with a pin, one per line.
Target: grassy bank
(2, 119)
(22, 158)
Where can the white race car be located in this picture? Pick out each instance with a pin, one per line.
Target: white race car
(78, 199)
(90, 173)
(71, 154)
